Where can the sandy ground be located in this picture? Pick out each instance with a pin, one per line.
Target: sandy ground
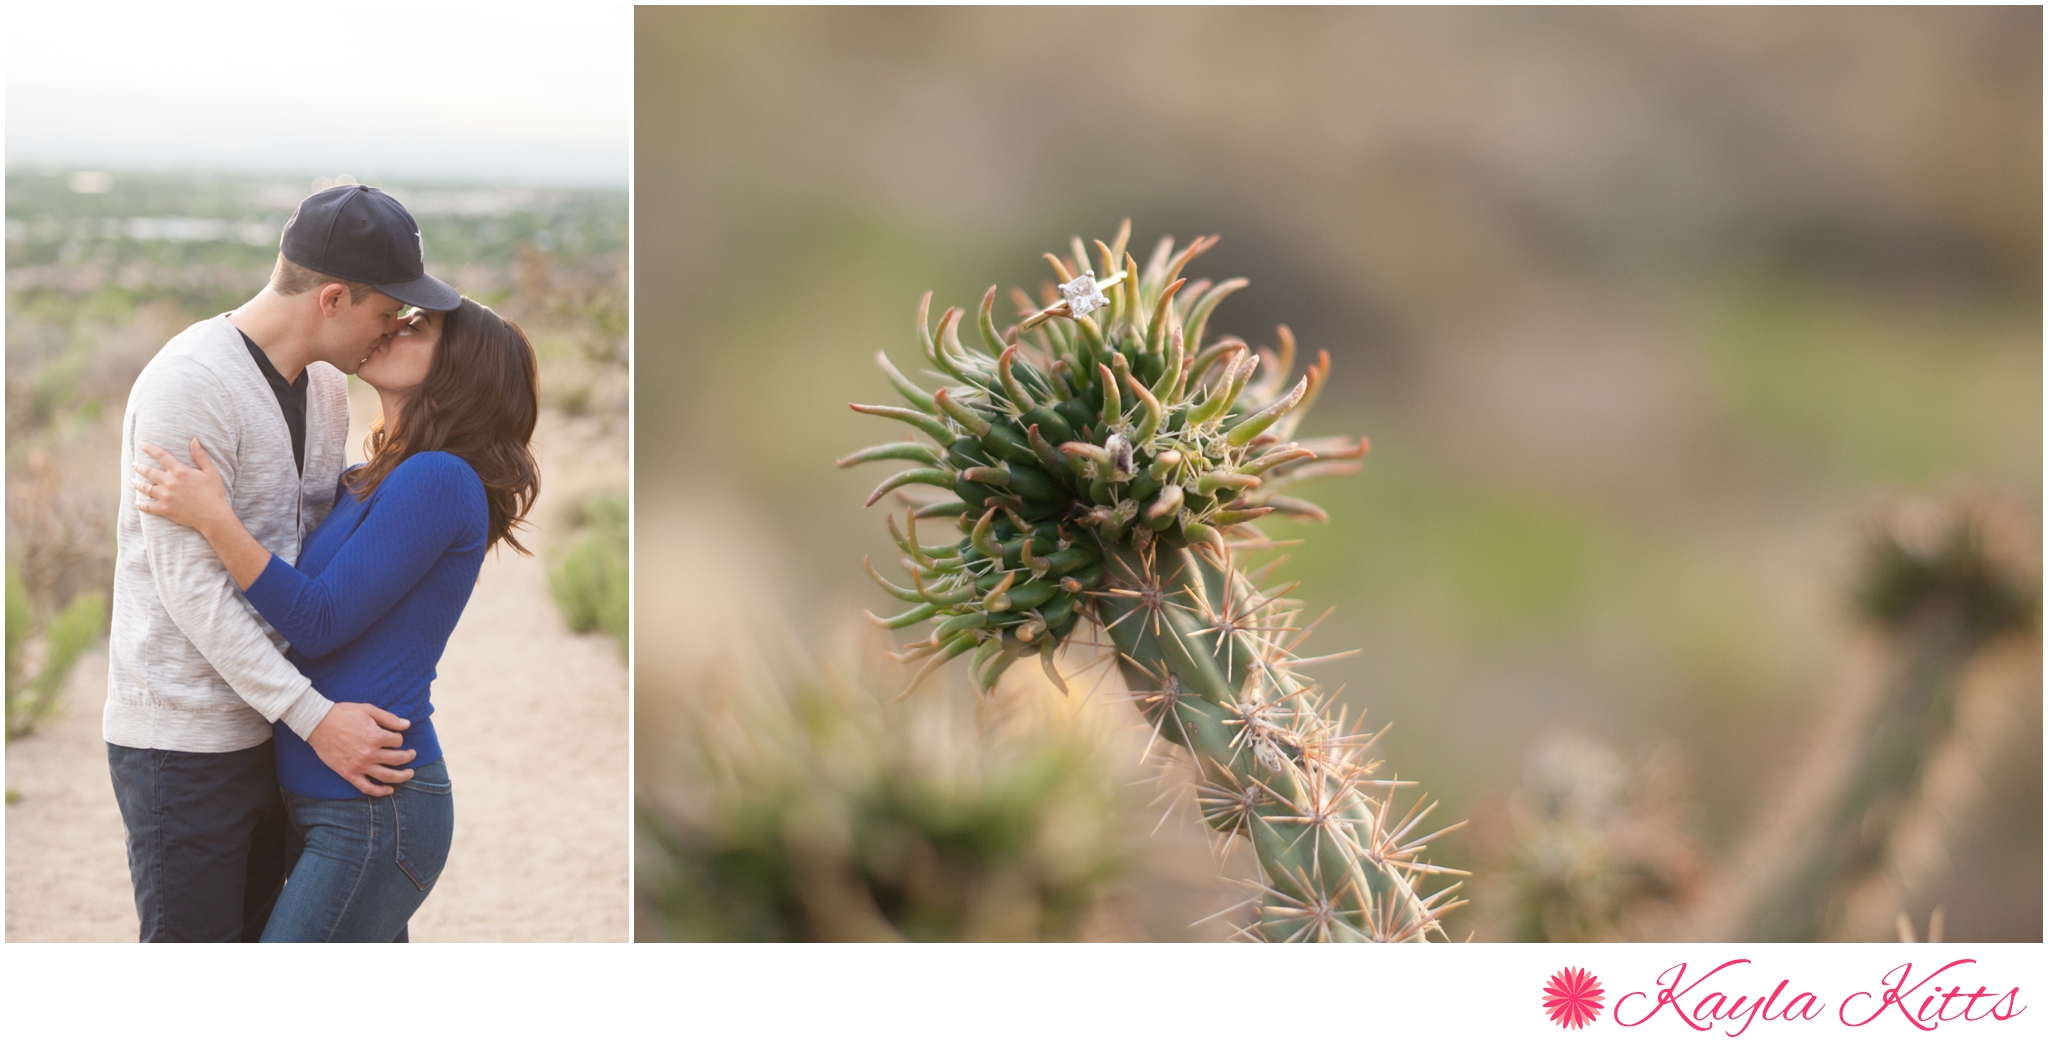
(532, 717)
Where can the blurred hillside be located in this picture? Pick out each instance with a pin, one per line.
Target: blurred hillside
(1643, 310)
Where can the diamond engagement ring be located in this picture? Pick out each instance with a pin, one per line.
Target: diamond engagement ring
(1081, 296)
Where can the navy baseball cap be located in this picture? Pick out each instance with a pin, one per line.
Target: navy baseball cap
(359, 233)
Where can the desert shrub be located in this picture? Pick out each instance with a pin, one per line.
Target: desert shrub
(589, 576)
(817, 811)
(40, 656)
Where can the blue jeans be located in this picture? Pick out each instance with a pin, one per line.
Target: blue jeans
(362, 866)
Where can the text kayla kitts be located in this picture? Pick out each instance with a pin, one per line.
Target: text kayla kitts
(1942, 995)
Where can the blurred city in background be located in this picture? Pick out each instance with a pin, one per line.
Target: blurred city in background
(1670, 330)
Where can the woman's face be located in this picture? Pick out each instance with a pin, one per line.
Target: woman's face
(400, 364)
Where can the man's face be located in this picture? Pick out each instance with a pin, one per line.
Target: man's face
(354, 330)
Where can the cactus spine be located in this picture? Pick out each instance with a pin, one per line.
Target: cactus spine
(1107, 465)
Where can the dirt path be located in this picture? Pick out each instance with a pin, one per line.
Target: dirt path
(532, 718)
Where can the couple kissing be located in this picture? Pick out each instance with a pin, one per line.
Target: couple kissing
(278, 613)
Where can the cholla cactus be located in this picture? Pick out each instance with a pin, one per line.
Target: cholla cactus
(1939, 582)
(1106, 466)
(1593, 848)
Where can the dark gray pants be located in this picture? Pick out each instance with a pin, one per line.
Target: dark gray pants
(207, 836)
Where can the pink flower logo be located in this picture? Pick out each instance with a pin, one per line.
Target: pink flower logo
(1572, 997)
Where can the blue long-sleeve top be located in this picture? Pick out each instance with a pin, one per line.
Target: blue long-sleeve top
(378, 588)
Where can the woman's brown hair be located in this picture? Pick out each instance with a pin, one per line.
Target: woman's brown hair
(478, 402)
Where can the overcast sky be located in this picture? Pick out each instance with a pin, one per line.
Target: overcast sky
(525, 92)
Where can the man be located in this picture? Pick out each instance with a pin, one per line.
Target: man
(195, 676)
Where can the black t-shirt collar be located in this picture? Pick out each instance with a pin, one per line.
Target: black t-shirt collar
(291, 397)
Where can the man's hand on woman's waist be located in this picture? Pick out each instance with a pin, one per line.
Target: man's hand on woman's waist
(356, 740)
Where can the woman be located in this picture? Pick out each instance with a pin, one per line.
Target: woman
(377, 590)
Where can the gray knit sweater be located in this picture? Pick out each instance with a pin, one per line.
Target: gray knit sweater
(192, 667)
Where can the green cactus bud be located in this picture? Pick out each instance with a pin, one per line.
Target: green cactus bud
(931, 426)
(950, 407)
(1144, 486)
(1155, 333)
(985, 320)
(997, 597)
(1055, 464)
(1030, 594)
(1242, 433)
(943, 478)
(994, 476)
(1198, 317)
(984, 536)
(911, 391)
(1275, 458)
(899, 592)
(1096, 456)
(965, 452)
(972, 494)
(1082, 578)
(1039, 565)
(1165, 509)
(911, 617)
(1033, 483)
(972, 620)
(1059, 478)
(1164, 464)
(1148, 412)
(1228, 517)
(1008, 443)
(1006, 370)
(1211, 483)
(953, 649)
(940, 509)
(1112, 401)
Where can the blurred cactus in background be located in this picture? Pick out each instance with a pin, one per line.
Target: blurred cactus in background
(1941, 585)
(1105, 462)
(816, 811)
(1590, 848)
